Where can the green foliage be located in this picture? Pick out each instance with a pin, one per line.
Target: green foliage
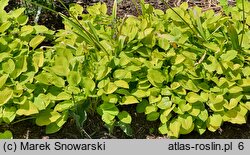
(6, 135)
(188, 71)
(25, 88)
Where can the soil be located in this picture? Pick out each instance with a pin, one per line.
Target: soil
(94, 126)
(125, 7)
(142, 129)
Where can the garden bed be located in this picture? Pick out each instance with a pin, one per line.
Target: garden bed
(95, 130)
(94, 126)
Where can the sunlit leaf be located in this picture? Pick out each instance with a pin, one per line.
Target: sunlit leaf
(121, 84)
(122, 74)
(163, 129)
(3, 79)
(5, 26)
(16, 13)
(174, 127)
(5, 96)
(125, 117)
(38, 60)
(102, 72)
(9, 114)
(56, 126)
(36, 41)
(61, 67)
(129, 100)
(229, 55)
(163, 41)
(65, 105)
(215, 120)
(41, 101)
(46, 117)
(74, 78)
(186, 124)
(110, 88)
(192, 97)
(109, 108)
(6, 135)
(8, 66)
(155, 76)
(179, 59)
(88, 83)
(28, 108)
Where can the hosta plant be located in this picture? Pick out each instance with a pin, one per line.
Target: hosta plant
(190, 74)
(187, 69)
(21, 59)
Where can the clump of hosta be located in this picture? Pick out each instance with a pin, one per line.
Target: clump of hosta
(185, 68)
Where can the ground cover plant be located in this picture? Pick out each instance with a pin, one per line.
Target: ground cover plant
(187, 68)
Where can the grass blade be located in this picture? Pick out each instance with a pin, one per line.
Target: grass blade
(89, 37)
(224, 4)
(82, 29)
(93, 31)
(77, 28)
(143, 9)
(199, 27)
(233, 36)
(114, 10)
(196, 31)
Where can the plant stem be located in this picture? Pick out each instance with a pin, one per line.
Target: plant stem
(201, 59)
(244, 23)
(86, 31)
(24, 119)
(86, 133)
(38, 14)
